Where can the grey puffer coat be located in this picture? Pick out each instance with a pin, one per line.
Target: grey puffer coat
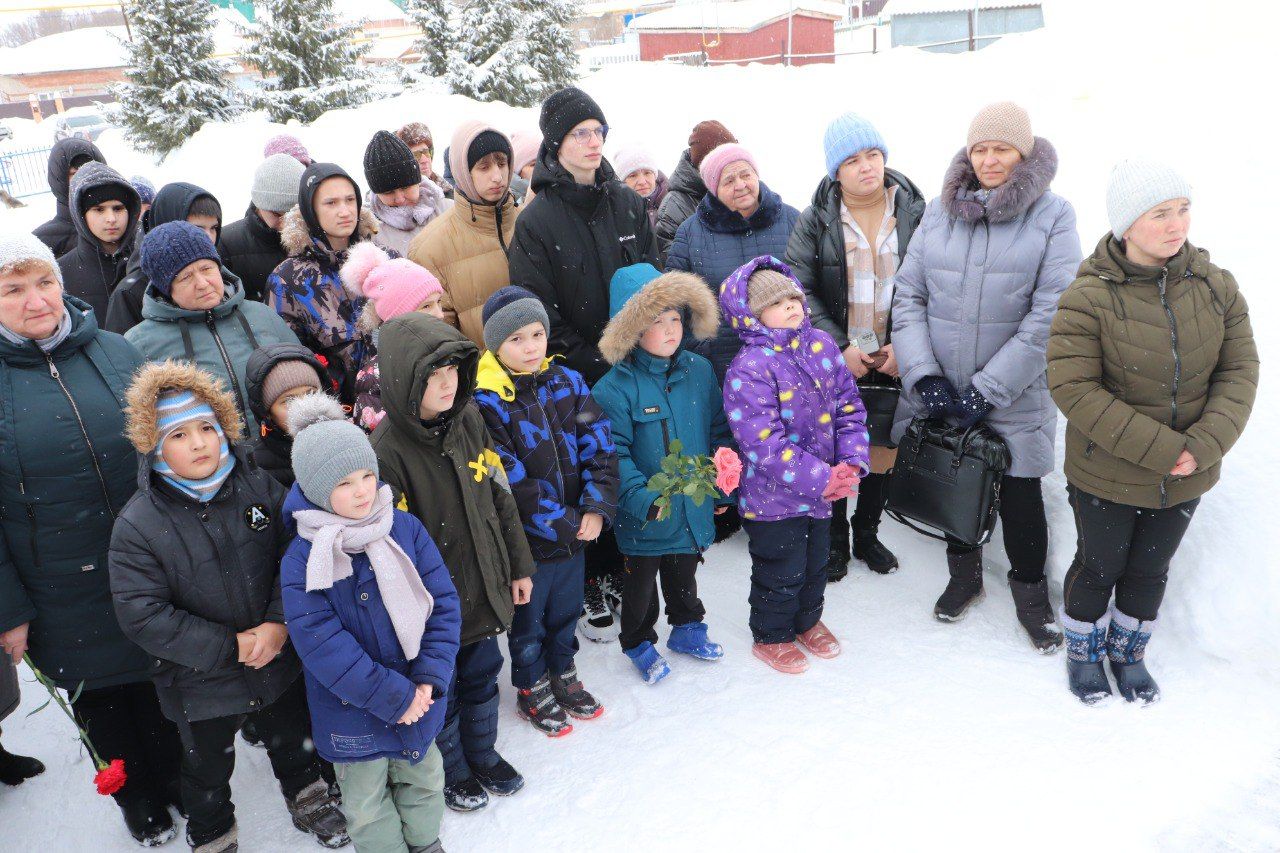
(975, 296)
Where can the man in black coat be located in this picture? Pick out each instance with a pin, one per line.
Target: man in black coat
(251, 247)
(685, 188)
(105, 208)
(65, 158)
(582, 225)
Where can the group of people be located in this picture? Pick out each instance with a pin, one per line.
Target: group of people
(293, 478)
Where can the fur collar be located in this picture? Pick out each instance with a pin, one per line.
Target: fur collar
(1029, 180)
(296, 237)
(142, 422)
(673, 289)
(720, 219)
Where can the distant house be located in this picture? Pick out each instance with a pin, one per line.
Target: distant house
(604, 21)
(742, 31)
(950, 26)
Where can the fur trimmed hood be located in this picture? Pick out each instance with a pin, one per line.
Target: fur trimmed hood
(1028, 181)
(296, 237)
(674, 289)
(141, 418)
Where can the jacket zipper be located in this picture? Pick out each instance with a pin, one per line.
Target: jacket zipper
(31, 520)
(1173, 333)
(235, 383)
(93, 454)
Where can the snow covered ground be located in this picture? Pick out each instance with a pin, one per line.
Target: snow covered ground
(921, 735)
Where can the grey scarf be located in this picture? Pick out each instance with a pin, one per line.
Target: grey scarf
(46, 344)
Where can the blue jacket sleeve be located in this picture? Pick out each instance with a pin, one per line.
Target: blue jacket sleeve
(434, 663)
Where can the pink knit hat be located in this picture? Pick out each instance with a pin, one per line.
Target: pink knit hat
(525, 147)
(286, 144)
(713, 165)
(394, 287)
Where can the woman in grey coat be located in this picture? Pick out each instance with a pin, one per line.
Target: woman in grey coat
(971, 313)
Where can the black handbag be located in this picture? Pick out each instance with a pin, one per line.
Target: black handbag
(948, 479)
(880, 401)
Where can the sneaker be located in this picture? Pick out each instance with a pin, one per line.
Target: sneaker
(538, 705)
(465, 795)
(652, 666)
(573, 697)
(691, 639)
(314, 810)
(784, 657)
(820, 642)
(597, 623)
(611, 589)
(501, 779)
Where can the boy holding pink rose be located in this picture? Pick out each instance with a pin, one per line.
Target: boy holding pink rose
(660, 399)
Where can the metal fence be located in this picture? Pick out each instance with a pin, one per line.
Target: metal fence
(25, 173)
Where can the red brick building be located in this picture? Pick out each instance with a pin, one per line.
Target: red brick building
(742, 31)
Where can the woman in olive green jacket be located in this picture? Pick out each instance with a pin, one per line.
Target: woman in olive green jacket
(1152, 360)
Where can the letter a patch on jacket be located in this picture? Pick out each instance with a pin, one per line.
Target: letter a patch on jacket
(257, 518)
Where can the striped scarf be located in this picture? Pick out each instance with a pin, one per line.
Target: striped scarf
(174, 409)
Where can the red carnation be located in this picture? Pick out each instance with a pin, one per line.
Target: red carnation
(111, 778)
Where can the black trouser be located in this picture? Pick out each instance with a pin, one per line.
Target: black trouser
(603, 557)
(640, 595)
(1026, 532)
(1121, 547)
(866, 512)
(126, 722)
(788, 576)
(285, 729)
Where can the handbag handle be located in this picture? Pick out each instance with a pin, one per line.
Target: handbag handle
(962, 446)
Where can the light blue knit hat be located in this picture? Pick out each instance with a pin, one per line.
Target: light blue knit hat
(847, 135)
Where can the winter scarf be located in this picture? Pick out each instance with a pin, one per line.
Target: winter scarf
(431, 203)
(334, 538)
(46, 344)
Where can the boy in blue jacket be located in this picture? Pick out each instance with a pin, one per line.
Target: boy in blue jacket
(375, 619)
(658, 392)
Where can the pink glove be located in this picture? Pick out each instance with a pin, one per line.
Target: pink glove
(728, 469)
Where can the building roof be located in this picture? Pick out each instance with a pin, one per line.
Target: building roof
(74, 50)
(928, 7)
(734, 15)
(607, 7)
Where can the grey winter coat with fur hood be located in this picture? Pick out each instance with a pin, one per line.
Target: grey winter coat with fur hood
(974, 299)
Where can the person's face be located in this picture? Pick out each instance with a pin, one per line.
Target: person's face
(491, 176)
(993, 162)
(739, 188)
(71, 173)
(402, 197)
(583, 147)
(31, 301)
(193, 450)
(527, 171)
(524, 351)
(432, 305)
(280, 408)
(423, 152)
(108, 221)
(207, 224)
(273, 219)
(642, 181)
(664, 334)
(787, 314)
(441, 390)
(336, 207)
(863, 173)
(354, 494)
(1160, 232)
(198, 287)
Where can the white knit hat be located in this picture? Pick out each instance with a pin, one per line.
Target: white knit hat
(20, 246)
(631, 159)
(1136, 186)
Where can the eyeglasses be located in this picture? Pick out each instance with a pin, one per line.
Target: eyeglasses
(583, 134)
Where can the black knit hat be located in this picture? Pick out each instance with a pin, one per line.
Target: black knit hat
(564, 110)
(389, 164)
(487, 142)
(105, 192)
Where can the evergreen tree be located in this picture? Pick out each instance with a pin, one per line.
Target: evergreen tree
(438, 36)
(174, 85)
(551, 51)
(311, 67)
(517, 52)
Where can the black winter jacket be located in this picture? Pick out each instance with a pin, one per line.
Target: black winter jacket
(684, 190)
(567, 245)
(88, 273)
(273, 446)
(252, 250)
(59, 233)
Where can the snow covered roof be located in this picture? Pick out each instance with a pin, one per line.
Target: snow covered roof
(924, 7)
(734, 16)
(605, 7)
(74, 50)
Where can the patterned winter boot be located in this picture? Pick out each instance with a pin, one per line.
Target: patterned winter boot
(1086, 644)
(1126, 647)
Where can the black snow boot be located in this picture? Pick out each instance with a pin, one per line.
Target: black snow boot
(837, 564)
(148, 820)
(1126, 647)
(16, 769)
(573, 697)
(1031, 601)
(315, 810)
(465, 795)
(963, 590)
(868, 548)
(538, 705)
(501, 779)
(1086, 644)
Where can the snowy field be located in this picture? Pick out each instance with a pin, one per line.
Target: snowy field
(921, 735)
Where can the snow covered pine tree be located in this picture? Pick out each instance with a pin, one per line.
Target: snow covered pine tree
(515, 52)
(174, 83)
(438, 36)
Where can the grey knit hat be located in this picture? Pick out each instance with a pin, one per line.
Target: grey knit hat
(1004, 121)
(275, 183)
(507, 310)
(1135, 187)
(769, 287)
(326, 447)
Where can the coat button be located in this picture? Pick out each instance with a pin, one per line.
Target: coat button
(364, 596)
(415, 753)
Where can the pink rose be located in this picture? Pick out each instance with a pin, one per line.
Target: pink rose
(728, 469)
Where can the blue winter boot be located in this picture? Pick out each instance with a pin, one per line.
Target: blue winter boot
(653, 667)
(1126, 647)
(462, 793)
(1086, 644)
(691, 639)
(478, 725)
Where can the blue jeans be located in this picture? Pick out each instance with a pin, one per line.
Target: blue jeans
(542, 635)
(788, 576)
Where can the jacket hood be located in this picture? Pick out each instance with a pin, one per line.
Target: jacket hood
(549, 172)
(173, 204)
(315, 175)
(722, 220)
(463, 136)
(91, 176)
(1028, 181)
(684, 291)
(142, 423)
(827, 196)
(431, 203)
(296, 238)
(60, 157)
(261, 361)
(84, 328)
(492, 376)
(734, 302)
(410, 348)
(164, 310)
(686, 178)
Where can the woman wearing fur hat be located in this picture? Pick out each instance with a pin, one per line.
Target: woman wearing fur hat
(971, 312)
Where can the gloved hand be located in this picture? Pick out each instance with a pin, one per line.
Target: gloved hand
(971, 407)
(939, 396)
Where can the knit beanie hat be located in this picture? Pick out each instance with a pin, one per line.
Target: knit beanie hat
(327, 448)
(175, 408)
(287, 375)
(144, 188)
(20, 247)
(714, 164)
(847, 135)
(389, 164)
(415, 133)
(707, 135)
(564, 110)
(524, 150)
(768, 287)
(631, 159)
(275, 183)
(507, 310)
(487, 142)
(1002, 122)
(1135, 187)
(394, 286)
(169, 248)
(105, 192)
(286, 144)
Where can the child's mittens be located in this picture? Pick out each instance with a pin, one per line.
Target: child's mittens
(728, 469)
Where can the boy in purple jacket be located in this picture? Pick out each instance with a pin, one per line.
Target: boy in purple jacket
(794, 409)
